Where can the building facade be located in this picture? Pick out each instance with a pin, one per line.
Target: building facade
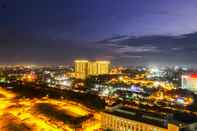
(189, 82)
(117, 123)
(122, 119)
(83, 68)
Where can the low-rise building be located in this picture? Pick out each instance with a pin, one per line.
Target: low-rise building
(127, 119)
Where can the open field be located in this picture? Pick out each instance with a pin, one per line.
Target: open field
(44, 114)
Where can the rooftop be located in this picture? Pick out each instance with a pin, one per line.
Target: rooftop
(180, 119)
(81, 61)
(97, 61)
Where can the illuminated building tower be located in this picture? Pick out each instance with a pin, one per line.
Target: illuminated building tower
(92, 68)
(102, 67)
(189, 82)
(98, 67)
(81, 68)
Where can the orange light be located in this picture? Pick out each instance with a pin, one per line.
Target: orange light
(193, 75)
(29, 77)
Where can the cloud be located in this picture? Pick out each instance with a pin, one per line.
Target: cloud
(155, 48)
(27, 48)
(137, 49)
(167, 13)
(176, 48)
(132, 56)
(114, 39)
(120, 49)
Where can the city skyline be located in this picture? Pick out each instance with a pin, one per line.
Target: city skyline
(98, 65)
(127, 33)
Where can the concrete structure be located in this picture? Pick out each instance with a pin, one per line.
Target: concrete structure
(83, 68)
(126, 119)
(189, 82)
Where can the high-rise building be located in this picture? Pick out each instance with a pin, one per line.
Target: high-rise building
(102, 67)
(92, 68)
(83, 68)
(189, 82)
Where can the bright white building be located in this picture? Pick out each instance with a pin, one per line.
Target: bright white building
(189, 82)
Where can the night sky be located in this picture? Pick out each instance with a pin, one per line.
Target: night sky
(128, 32)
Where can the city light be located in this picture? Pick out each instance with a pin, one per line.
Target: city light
(98, 65)
(26, 112)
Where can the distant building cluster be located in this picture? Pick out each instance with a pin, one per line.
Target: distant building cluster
(135, 99)
(84, 68)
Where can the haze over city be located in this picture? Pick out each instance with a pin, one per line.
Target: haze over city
(129, 32)
(98, 65)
